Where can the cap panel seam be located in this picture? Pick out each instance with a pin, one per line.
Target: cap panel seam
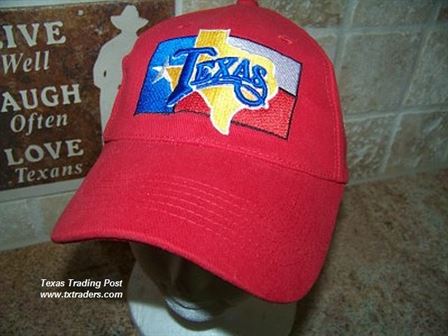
(327, 64)
(330, 100)
(331, 103)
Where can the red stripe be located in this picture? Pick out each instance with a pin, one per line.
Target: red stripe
(274, 120)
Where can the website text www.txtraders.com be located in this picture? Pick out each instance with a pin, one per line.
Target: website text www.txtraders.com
(81, 289)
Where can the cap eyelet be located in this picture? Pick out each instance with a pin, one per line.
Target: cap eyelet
(183, 25)
(285, 39)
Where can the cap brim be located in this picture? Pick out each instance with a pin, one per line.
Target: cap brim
(260, 226)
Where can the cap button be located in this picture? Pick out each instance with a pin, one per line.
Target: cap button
(247, 2)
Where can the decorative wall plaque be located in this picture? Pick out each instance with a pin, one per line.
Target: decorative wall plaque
(60, 69)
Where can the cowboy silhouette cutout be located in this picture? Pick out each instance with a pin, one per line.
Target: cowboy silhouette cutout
(107, 72)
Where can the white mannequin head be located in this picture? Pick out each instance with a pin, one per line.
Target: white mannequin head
(191, 292)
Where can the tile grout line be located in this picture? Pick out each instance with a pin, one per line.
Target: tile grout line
(341, 35)
(423, 109)
(408, 172)
(322, 32)
(425, 34)
(388, 152)
(370, 117)
(318, 32)
(416, 27)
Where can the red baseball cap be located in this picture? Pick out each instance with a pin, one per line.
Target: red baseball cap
(225, 146)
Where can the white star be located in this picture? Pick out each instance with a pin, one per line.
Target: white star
(161, 72)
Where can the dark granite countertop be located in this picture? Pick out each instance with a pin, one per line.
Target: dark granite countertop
(386, 273)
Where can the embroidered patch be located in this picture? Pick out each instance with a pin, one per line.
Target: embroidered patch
(230, 79)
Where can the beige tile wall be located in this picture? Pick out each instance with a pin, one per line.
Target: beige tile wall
(391, 58)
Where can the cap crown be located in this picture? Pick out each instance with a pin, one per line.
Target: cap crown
(242, 78)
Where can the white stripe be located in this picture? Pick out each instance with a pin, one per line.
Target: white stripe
(287, 70)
